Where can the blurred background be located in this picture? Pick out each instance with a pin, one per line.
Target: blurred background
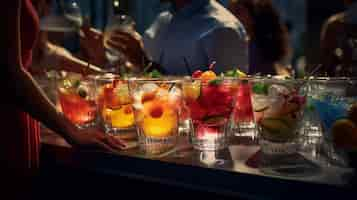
(304, 20)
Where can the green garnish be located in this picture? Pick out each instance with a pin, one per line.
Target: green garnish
(231, 73)
(155, 74)
(260, 88)
(310, 107)
(76, 83)
(67, 83)
(215, 82)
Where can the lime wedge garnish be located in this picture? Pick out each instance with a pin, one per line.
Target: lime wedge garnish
(277, 129)
(240, 74)
(231, 73)
(260, 88)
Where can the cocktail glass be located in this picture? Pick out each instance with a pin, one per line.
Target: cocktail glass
(115, 106)
(210, 104)
(76, 95)
(278, 107)
(335, 100)
(243, 117)
(156, 108)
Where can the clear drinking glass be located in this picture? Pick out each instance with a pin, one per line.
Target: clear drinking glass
(333, 99)
(115, 105)
(121, 23)
(76, 95)
(156, 108)
(210, 104)
(278, 110)
(243, 117)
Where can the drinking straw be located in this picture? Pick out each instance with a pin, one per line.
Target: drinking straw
(211, 66)
(316, 69)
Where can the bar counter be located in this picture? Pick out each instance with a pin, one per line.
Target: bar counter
(225, 174)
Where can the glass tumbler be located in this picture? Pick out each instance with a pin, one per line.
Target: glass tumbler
(243, 123)
(76, 95)
(335, 100)
(210, 105)
(156, 109)
(115, 106)
(278, 110)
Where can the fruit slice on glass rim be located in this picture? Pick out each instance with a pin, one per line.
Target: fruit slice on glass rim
(192, 90)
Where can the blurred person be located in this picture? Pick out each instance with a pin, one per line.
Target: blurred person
(23, 101)
(189, 37)
(339, 43)
(269, 49)
(50, 55)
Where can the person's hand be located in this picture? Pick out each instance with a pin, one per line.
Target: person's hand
(131, 45)
(94, 139)
(91, 42)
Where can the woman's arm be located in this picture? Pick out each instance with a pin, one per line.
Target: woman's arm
(24, 92)
(49, 56)
(68, 62)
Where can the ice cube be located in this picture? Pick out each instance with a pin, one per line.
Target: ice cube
(260, 103)
(122, 90)
(277, 90)
(149, 87)
(176, 91)
(276, 104)
(175, 95)
(138, 106)
(162, 93)
(137, 96)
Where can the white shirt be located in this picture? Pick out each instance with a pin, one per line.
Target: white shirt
(195, 36)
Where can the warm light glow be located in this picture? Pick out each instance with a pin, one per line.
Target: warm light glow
(116, 3)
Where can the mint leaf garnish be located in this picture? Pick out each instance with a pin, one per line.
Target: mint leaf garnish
(155, 74)
(215, 82)
(260, 88)
(76, 83)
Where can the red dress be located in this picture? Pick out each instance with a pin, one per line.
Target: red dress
(21, 133)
